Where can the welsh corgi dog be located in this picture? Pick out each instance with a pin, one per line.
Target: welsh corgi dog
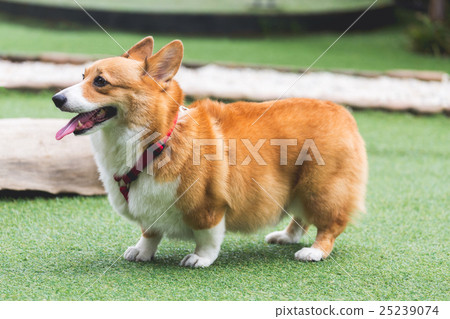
(200, 171)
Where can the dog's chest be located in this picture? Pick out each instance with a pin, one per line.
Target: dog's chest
(154, 204)
(150, 203)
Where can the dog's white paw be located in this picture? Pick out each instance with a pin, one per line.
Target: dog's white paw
(195, 261)
(281, 237)
(309, 254)
(138, 254)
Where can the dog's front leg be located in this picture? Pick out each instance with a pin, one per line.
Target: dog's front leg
(207, 248)
(145, 248)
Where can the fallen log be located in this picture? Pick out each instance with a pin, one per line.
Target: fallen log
(32, 159)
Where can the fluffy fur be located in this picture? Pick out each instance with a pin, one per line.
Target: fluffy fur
(237, 192)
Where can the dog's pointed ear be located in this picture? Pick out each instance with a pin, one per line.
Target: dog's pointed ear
(141, 50)
(165, 63)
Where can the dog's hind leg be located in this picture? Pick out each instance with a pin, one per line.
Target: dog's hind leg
(329, 208)
(290, 235)
(322, 246)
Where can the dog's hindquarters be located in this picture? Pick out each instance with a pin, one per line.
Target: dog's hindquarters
(331, 193)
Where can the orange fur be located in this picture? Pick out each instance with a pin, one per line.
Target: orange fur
(329, 193)
(149, 233)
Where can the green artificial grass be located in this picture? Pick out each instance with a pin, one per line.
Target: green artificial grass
(376, 50)
(214, 6)
(69, 248)
(28, 104)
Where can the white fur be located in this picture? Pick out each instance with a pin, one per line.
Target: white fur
(207, 248)
(76, 102)
(295, 208)
(144, 250)
(309, 254)
(283, 237)
(150, 204)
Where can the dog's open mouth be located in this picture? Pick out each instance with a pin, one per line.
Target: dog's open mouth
(83, 122)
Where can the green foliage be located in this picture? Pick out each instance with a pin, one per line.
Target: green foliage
(432, 37)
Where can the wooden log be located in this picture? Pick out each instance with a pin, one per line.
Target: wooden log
(32, 159)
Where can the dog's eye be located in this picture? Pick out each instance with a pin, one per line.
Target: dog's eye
(100, 82)
(83, 76)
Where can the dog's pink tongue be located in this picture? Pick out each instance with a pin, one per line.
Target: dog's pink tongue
(68, 128)
(73, 123)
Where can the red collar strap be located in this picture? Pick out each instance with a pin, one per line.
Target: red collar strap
(124, 181)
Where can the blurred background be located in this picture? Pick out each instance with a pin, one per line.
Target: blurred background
(395, 38)
(387, 61)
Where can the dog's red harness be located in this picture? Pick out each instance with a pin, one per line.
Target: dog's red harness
(124, 181)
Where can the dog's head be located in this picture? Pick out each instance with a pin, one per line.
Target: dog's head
(135, 89)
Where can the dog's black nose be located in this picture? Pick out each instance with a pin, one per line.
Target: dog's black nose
(59, 100)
